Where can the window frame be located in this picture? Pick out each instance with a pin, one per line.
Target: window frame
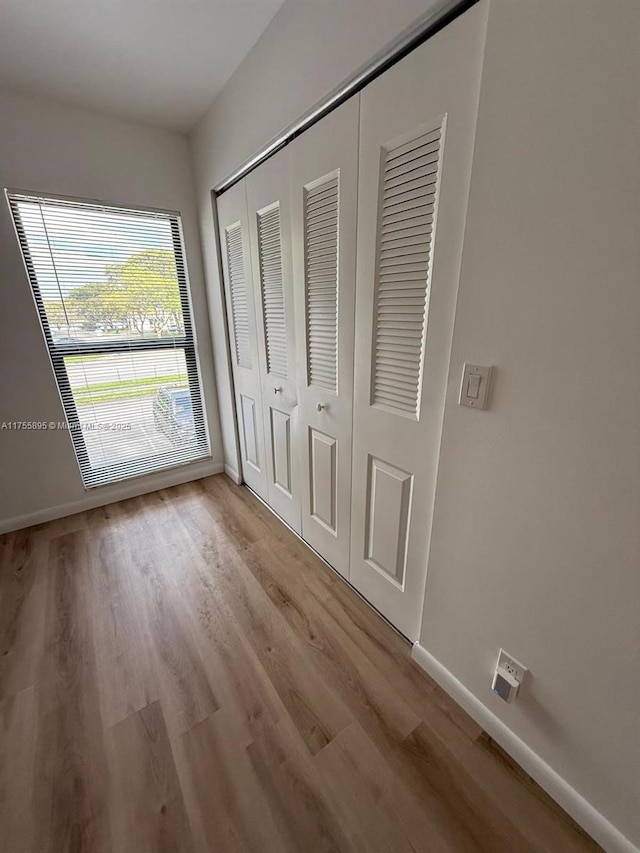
(117, 472)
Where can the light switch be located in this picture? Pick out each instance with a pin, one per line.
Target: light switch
(473, 386)
(474, 391)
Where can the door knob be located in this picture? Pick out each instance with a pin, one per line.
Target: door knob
(277, 389)
(320, 406)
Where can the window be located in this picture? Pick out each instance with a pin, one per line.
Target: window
(111, 289)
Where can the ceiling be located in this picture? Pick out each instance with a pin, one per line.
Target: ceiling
(161, 62)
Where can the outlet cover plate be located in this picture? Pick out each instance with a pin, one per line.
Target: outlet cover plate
(511, 665)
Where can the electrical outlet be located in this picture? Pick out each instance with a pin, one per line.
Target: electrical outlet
(512, 666)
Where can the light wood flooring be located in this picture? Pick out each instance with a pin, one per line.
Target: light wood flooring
(179, 673)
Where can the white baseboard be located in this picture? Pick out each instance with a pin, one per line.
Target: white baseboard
(110, 494)
(233, 474)
(571, 801)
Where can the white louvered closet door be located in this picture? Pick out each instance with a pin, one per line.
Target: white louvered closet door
(269, 226)
(417, 129)
(233, 227)
(324, 164)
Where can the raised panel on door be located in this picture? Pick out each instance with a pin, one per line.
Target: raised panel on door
(323, 479)
(250, 431)
(269, 226)
(324, 163)
(387, 520)
(417, 129)
(233, 228)
(281, 449)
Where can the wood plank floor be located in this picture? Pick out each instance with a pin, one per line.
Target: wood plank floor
(179, 674)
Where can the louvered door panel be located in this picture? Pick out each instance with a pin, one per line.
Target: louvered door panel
(408, 198)
(273, 307)
(321, 281)
(417, 128)
(238, 294)
(323, 202)
(270, 237)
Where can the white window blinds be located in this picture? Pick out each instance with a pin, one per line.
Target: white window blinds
(111, 289)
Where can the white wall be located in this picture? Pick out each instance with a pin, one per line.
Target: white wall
(536, 532)
(53, 149)
(308, 49)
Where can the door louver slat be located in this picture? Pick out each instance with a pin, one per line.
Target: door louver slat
(418, 143)
(321, 282)
(270, 256)
(408, 191)
(238, 292)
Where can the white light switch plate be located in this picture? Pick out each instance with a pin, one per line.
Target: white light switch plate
(474, 390)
